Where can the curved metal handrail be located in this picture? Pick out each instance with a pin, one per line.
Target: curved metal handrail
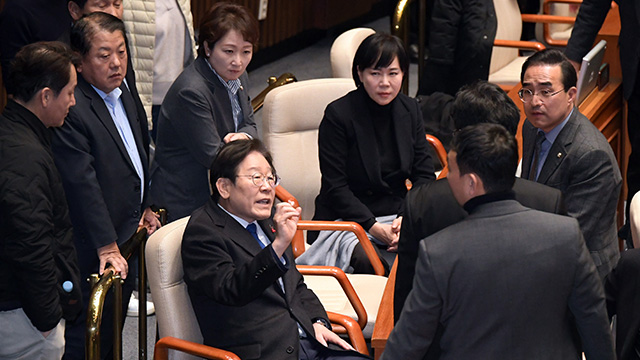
(400, 28)
(100, 285)
(286, 78)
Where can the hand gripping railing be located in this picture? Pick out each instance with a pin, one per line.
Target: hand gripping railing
(100, 285)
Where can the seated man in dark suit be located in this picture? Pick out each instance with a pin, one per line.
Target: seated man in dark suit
(622, 287)
(103, 161)
(432, 207)
(507, 282)
(238, 266)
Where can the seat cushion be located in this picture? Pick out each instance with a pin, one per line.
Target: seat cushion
(368, 287)
(510, 74)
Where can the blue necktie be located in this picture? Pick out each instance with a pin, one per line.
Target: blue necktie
(251, 228)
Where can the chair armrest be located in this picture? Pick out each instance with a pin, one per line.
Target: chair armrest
(384, 320)
(297, 244)
(344, 282)
(441, 153)
(353, 227)
(353, 331)
(524, 45)
(161, 350)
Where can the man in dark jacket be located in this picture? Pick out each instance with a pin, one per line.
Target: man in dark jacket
(39, 276)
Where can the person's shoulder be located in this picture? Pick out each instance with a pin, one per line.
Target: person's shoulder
(430, 191)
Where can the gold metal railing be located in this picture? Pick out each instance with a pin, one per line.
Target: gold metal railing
(273, 83)
(400, 28)
(100, 286)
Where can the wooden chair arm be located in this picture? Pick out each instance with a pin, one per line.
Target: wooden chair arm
(297, 244)
(384, 320)
(441, 153)
(548, 19)
(344, 282)
(161, 350)
(353, 227)
(283, 195)
(524, 45)
(354, 332)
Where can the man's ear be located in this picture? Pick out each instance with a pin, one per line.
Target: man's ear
(45, 95)
(573, 92)
(74, 10)
(223, 185)
(476, 186)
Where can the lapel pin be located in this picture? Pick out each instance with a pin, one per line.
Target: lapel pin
(559, 155)
(272, 229)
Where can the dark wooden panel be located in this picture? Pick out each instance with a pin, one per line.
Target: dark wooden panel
(288, 18)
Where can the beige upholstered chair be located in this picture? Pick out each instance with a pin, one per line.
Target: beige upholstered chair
(174, 312)
(343, 50)
(557, 34)
(177, 323)
(290, 119)
(291, 116)
(505, 61)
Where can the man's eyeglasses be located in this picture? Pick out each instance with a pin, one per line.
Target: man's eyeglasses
(258, 179)
(526, 95)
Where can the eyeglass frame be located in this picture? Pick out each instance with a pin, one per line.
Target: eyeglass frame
(539, 93)
(261, 178)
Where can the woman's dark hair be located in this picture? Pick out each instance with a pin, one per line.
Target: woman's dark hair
(377, 51)
(222, 18)
(553, 57)
(489, 151)
(38, 66)
(229, 157)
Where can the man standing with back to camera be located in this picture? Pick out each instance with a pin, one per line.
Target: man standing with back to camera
(507, 282)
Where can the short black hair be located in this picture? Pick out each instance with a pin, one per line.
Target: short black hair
(377, 51)
(85, 29)
(229, 157)
(489, 151)
(40, 65)
(553, 57)
(484, 102)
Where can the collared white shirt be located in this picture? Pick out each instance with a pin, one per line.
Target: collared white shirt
(113, 101)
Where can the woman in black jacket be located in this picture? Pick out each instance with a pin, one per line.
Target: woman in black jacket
(370, 142)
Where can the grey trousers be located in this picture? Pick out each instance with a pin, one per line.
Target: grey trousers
(19, 339)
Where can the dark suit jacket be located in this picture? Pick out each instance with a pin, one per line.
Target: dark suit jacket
(582, 165)
(234, 290)
(100, 181)
(352, 187)
(588, 22)
(195, 116)
(432, 207)
(622, 288)
(507, 282)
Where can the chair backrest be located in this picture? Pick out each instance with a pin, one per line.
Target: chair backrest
(509, 28)
(174, 312)
(290, 119)
(344, 49)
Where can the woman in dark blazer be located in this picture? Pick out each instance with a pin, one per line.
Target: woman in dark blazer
(370, 142)
(205, 107)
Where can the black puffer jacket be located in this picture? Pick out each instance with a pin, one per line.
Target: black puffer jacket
(461, 38)
(36, 247)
